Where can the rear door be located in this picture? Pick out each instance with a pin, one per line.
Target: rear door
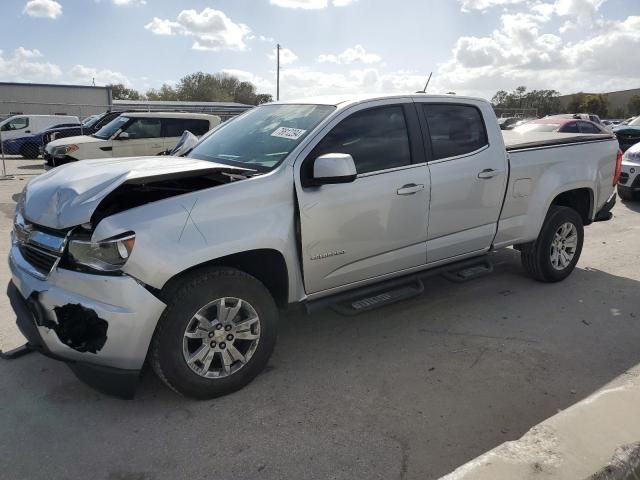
(376, 225)
(145, 138)
(468, 177)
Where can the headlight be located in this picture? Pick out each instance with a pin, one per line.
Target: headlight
(64, 150)
(106, 256)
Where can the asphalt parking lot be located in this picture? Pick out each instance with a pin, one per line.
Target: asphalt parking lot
(409, 391)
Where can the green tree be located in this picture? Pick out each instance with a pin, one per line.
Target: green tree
(634, 105)
(165, 93)
(121, 92)
(543, 102)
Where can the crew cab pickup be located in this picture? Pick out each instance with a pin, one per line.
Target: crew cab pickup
(186, 261)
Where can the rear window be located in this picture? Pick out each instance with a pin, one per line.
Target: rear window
(454, 129)
(175, 127)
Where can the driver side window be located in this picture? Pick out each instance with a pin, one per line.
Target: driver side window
(376, 138)
(16, 124)
(144, 128)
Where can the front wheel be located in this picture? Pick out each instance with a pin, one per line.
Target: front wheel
(216, 334)
(30, 151)
(556, 251)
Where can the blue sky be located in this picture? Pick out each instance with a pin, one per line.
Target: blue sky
(332, 46)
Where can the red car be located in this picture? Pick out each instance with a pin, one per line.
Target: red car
(561, 125)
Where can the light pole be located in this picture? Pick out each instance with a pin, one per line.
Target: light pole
(278, 71)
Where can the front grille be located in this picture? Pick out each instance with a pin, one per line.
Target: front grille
(636, 182)
(41, 249)
(40, 259)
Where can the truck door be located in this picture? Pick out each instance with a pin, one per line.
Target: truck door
(468, 177)
(376, 225)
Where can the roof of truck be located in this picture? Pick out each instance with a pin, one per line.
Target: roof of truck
(343, 100)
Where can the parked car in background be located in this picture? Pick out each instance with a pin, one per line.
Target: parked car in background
(89, 126)
(578, 116)
(506, 123)
(185, 262)
(561, 125)
(629, 183)
(628, 121)
(130, 134)
(21, 125)
(30, 145)
(629, 134)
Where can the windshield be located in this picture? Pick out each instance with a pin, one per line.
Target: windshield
(261, 138)
(89, 121)
(537, 127)
(112, 127)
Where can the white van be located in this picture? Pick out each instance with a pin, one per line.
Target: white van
(132, 134)
(20, 125)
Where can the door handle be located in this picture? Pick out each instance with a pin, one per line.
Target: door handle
(410, 189)
(27, 131)
(488, 173)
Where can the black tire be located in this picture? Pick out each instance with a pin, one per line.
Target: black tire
(183, 301)
(626, 194)
(30, 151)
(536, 256)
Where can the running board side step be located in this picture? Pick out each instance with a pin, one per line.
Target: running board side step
(390, 291)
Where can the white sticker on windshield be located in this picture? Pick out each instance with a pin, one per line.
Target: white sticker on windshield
(288, 132)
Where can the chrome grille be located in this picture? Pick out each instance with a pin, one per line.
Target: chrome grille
(42, 250)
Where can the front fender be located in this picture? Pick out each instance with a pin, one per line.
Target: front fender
(178, 233)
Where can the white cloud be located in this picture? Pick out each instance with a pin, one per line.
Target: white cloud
(43, 9)
(212, 29)
(24, 66)
(87, 75)
(526, 50)
(356, 54)
(468, 5)
(311, 4)
(129, 2)
(287, 57)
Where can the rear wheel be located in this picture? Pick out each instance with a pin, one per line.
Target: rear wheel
(216, 334)
(556, 251)
(30, 151)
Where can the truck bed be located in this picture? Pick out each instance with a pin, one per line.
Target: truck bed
(521, 141)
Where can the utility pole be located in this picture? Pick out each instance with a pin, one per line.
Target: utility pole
(278, 71)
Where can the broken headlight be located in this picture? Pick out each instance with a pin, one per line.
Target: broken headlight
(108, 255)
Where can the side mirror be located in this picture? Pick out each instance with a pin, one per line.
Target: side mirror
(334, 168)
(123, 136)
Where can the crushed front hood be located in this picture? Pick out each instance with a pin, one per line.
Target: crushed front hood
(68, 195)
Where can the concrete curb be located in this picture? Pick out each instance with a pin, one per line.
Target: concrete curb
(599, 434)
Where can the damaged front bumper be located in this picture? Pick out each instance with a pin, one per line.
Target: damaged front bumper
(101, 325)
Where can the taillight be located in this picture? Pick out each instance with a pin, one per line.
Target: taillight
(616, 175)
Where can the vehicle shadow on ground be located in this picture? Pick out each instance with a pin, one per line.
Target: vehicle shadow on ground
(632, 204)
(411, 390)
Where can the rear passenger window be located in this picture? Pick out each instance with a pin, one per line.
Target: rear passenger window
(454, 129)
(175, 127)
(588, 128)
(377, 139)
(570, 128)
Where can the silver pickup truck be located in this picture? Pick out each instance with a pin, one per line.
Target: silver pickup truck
(186, 261)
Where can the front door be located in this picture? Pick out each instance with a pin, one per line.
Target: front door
(144, 138)
(376, 225)
(468, 178)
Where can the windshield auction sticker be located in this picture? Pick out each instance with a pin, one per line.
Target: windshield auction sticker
(288, 132)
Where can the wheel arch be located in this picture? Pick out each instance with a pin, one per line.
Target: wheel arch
(579, 199)
(267, 265)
